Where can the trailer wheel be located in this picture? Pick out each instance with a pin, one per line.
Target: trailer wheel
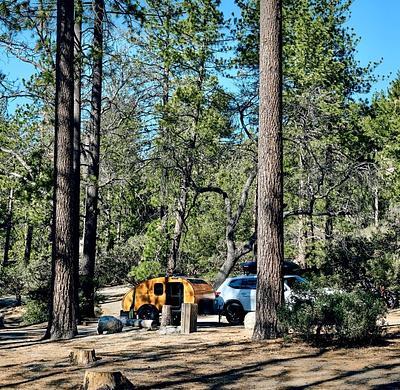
(148, 312)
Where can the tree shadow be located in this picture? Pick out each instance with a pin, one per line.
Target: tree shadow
(348, 374)
(388, 386)
(225, 377)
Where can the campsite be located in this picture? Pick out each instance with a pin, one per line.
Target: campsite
(199, 194)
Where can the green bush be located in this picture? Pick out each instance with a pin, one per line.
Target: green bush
(341, 317)
(36, 312)
(145, 270)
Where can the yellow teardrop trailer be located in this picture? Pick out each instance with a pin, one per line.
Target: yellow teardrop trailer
(146, 299)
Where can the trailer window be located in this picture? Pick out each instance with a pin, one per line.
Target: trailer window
(158, 289)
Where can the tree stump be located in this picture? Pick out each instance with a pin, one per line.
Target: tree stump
(166, 315)
(82, 357)
(106, 380)
(188, 318)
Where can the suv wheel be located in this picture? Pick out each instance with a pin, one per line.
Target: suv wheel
(234, 313)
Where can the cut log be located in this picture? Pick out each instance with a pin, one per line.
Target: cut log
(106, 380)
(148, 324)
(82, 357)
(166, 315)
(138, 323)
(188, 318)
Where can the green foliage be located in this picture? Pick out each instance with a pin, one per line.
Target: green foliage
(114, 264)
(369, 261)
(339, 317)
(13, 280)
(145, 270)
(156, 245)
(36, 312)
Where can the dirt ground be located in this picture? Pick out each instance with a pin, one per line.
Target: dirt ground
(216, 357)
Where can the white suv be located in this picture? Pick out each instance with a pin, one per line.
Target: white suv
(237, 296)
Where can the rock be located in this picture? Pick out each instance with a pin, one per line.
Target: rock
(250, 320)
(106, 380)
(109, 324)
(170, 329)
(82, 357)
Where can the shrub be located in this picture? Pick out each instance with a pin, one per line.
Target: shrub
(145, 270)
(36, 312)
(342, 317)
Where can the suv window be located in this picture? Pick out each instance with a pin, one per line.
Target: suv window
(250, 284)
(245, 283)
(236, 283)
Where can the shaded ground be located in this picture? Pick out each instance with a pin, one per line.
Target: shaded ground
(216, 357)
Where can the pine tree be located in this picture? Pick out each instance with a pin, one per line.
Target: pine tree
(270, 174)
(62, 319)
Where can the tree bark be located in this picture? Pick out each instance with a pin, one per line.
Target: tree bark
(92, 189)
(269, 295)
(328, 200)
(8, 224)
(302, 225)
(77, 141)
(28, 244)
(62, 321)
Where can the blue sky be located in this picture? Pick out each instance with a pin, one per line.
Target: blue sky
(376, 22)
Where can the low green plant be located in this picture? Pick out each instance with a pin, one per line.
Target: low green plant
(341, 317)
(35, 312)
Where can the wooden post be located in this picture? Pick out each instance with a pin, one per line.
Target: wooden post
(166, 315)
(188, 318)
(111, 380)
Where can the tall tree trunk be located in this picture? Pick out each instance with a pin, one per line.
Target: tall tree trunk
(302, 221)
(77, 140)
(255, 220)
(328, 201)
(376, 206)
(92, 189)
(62, 321)
(179, 225)
(269, 295)
(7, 243)
(164, 175)
(28, 244)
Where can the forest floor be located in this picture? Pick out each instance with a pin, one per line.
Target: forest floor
(218, 356)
